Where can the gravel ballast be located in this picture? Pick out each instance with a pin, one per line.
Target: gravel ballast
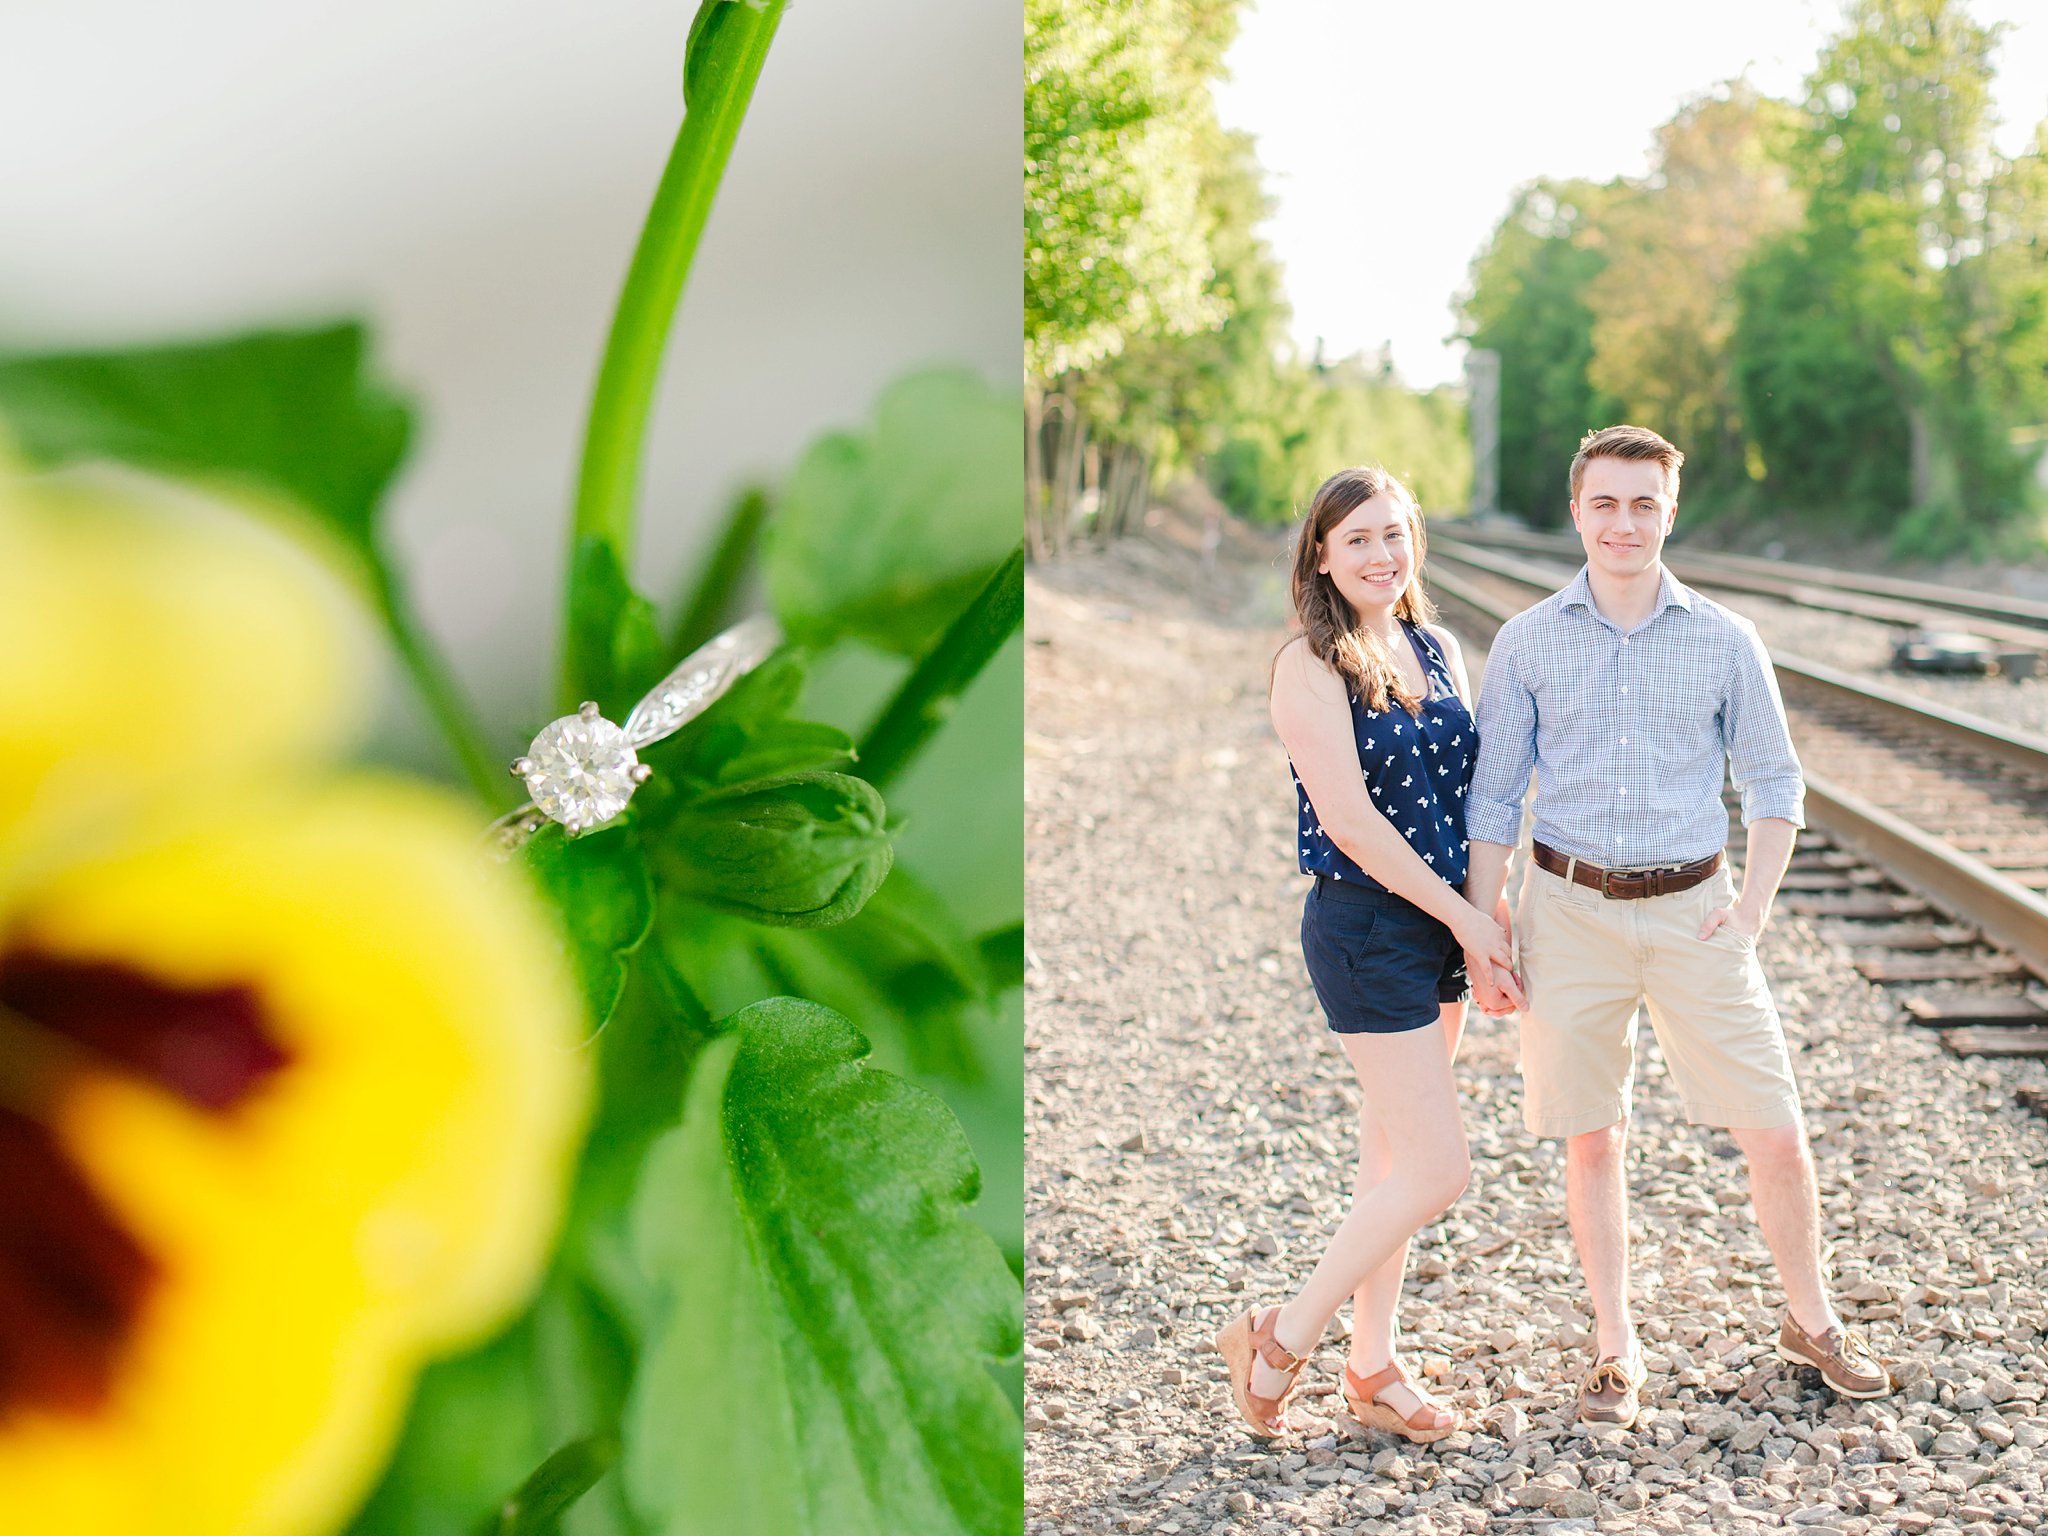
(1190, 1128)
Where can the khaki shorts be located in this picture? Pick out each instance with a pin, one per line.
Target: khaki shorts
(1587, 961)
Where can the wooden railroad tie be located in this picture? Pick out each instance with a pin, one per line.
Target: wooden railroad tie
(1900, 935)
(2010, 1040)
(1829, 882)
(1872, 907)
(1948, 1010)
(1939, 967)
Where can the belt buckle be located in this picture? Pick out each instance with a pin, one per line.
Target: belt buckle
(1607, 875)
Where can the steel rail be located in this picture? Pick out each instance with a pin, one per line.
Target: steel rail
(2018, 749)
(2020, 620)
(2009, 914)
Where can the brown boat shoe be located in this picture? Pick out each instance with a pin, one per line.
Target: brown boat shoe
(1611, 1392)
(1845, 1360)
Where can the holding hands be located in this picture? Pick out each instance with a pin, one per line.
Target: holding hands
(1489, 959)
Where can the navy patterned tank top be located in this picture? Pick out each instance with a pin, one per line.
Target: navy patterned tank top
(1417, 770)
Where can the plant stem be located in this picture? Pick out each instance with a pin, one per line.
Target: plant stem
(929, 693)
(728, 45)
(436, 682)
(554, 1486)
(711, 602)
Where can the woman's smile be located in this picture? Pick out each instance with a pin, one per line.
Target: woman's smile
(1369, 555)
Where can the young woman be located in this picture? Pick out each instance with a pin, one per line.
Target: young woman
(1372, 703)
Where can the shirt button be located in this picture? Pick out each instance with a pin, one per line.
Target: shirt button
(1617, 837)
(1624, 791)
(1624, 687)
(1624, 740)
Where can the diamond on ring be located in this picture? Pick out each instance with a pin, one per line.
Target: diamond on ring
(581, 770)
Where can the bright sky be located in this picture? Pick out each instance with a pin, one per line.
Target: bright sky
(1394, 135)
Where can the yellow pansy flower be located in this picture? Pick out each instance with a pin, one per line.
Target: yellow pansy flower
(288, 1087)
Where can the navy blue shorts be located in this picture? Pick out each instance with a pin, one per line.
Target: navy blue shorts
(1381, 965)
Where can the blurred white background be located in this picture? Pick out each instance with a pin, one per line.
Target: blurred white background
(471, 177)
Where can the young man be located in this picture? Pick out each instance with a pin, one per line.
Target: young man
(1626, 692)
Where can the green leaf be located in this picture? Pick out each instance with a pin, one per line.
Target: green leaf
(600, 888)
(902, 978)
(644, 1060)
(905, 967)
(615, 649)
(803, 850)
(291, 415)
(817, 1361)
(887, 535)
(1002, 955)
(291, 412)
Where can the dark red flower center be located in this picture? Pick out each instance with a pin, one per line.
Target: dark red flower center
(72, 1280)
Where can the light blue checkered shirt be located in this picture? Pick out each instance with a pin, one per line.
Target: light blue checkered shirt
(1628, 732)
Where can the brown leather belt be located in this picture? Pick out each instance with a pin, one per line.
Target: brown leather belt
(1627, 884)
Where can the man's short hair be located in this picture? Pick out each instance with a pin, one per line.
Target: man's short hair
(1638, 443)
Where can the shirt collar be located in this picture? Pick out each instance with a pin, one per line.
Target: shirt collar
(1671, 592)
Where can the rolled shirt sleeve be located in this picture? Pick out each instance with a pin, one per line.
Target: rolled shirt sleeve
(1761, 761)
(1507, 747)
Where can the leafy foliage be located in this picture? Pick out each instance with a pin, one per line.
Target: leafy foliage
(1665, 305)
(805, 850)
(1826, 422)
(607, 904)
(1838, 307)
(1155, 319)
(1114, 238)
(1329, 415)
(801, 1373)
(484, 1423)
(811, 1210)
(614, 644)
(295, 414)
(1530, 301)
(884, 536)
(295, 418)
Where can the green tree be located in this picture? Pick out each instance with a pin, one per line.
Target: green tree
(1826, 418)
(1902, 280)
(1114, 237)
(1177, 398)
(1325, 416)
(1664, 307)
(1157, 328)
(2017, 274)
(1529, 301)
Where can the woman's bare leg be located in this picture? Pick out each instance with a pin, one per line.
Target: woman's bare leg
(1374, 1305)
(1405, 1080)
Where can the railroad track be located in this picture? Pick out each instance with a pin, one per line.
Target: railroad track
(2019, 624)
(1932, 865)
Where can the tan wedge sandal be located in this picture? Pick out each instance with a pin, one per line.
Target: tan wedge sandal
(1253, 1334)
(1362, 1395)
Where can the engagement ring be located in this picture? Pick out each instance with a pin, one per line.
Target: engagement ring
(582, 769)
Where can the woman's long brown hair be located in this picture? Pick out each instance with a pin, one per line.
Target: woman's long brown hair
(1358, 655)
